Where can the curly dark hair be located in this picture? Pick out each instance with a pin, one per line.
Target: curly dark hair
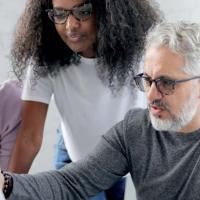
(122, 26)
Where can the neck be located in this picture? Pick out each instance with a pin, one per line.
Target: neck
(90, 53)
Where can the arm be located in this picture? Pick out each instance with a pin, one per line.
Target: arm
(29, 137)
(97, 172)
(1, 186)
(1, 181)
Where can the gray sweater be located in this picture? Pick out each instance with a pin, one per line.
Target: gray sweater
(163, 166)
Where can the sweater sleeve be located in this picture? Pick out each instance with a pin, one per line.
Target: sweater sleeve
(80, 180)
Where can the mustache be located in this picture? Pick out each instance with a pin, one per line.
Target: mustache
(159, 103)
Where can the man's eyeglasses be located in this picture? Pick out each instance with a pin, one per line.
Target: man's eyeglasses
(164, 85)
(60, 15)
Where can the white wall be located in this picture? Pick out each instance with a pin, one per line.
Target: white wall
(9, 12)
(181, 9)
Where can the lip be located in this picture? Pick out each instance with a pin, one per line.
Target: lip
(74, 37)
(156, 110)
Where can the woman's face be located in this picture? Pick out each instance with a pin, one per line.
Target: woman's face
(78, 34)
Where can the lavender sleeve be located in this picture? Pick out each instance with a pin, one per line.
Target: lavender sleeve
(10, 118)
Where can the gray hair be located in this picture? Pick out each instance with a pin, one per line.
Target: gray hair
(182, 38)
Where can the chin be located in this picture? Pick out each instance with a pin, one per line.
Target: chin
(160, 116)
(161, 124)
(76, 49)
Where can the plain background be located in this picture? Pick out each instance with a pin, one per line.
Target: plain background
(10, 11)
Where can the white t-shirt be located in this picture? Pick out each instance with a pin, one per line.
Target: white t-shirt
(2, 196)
(87, 107)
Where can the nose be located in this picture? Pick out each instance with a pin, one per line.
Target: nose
(153, 93)
(72, 23)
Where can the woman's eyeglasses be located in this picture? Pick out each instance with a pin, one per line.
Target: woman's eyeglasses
(60, 15)
(164, 85)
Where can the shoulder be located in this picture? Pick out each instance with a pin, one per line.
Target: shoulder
(10, 101)
(136, 117)
(10, 88)
(131, 130)
(133, 123)
(137, 125)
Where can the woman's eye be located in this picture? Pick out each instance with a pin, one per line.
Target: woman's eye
(84, 12)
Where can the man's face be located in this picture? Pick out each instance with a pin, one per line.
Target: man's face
(79, 36)
(174, 112)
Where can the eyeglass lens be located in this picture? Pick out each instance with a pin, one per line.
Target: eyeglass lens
(59, 15)
(165, 86)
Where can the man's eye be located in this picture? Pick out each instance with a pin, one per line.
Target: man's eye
(147, 80)
(167, 82)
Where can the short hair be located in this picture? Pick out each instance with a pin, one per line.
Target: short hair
(182, 38)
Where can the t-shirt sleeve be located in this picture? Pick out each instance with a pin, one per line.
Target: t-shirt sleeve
(10, 101)
(37, 89)
(10, 118)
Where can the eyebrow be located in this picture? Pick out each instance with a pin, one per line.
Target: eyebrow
(160, 77)
(76, 5)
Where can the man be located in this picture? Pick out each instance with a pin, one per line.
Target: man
(160, 146)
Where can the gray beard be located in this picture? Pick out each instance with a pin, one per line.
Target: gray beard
(178, 121)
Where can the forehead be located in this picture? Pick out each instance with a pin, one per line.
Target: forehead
(161, 61)
(67, 4)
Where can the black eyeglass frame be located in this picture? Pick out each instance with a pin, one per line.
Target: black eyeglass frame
(72, 11)
(157, 80)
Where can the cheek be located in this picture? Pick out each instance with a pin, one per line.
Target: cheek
(173, 103)
(178, 102)
(91, 32)
(93, 37)
(90, 28)
(61, 31)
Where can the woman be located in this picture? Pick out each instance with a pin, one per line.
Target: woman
(85, 57)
